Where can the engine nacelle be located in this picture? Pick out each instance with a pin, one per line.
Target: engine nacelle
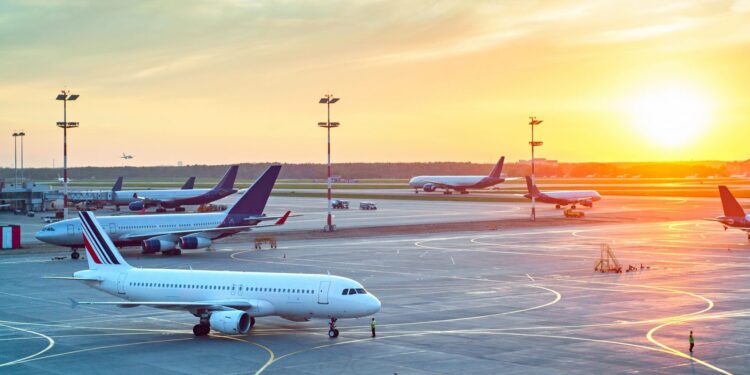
(587, 204)
(153, 246)
(194, 242)
(231, 322)
(136, 205)
(429, 188)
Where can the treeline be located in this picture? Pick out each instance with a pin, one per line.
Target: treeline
(399, 170)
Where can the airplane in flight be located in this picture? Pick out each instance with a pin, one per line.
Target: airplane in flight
(225, 301)
(458, 183)
(563, 197)
(139, 200)
(172, 233)
(734, 215)
(126, 157)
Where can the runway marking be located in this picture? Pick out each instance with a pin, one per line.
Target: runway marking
(271, 355)
(452, 260)
(529, 276)
(50, 344)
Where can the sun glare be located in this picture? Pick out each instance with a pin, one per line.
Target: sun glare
(670, 117)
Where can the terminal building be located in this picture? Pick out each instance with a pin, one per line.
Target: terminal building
(25, 196)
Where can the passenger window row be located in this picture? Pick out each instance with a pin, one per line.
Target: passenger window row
(350, 291)
(222, 287)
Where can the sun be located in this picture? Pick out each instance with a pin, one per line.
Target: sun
(671, 116)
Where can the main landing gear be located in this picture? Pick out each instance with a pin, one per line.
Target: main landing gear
(75, 254)
(333, 332)
(172, 252)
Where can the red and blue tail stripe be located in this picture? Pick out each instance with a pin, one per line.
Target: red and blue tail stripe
(98, 244)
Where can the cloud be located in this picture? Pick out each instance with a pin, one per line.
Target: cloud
(641, 33)
(741, 6)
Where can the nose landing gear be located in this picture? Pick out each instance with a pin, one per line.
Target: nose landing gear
(333, 332)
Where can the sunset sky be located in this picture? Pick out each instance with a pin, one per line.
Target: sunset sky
(215, 81)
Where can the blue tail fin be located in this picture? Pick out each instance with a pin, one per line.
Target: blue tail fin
(190, 183)
(101, 251)
(118, 184)
(531, 186)
(498, 169)
(253, 202)
(227, 182)
(731, 207)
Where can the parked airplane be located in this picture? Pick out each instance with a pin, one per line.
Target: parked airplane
(458, 183)
(126, 157)
(734, 215)
(189, 184)
(138, 200)
(562, 198)
(227, 301)
(164, 233)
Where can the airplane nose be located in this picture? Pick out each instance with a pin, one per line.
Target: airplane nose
(374, 305)
(39, 235)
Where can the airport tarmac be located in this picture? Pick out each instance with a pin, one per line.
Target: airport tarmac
(512, 301)
(409, 212)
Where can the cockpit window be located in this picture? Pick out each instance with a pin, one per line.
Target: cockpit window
(352, 291)
(345, 292)
(361, 291)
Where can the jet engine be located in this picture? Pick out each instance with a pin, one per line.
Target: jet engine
(152, 246)
(231, 322)
(194, 242)
(136, 205)
(428, 188)
(587, 203)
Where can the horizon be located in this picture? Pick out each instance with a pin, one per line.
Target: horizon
(214, 82)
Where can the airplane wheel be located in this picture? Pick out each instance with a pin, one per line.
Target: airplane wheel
(179, 209)
(201, 329)
(161, 210)
(333, 333)
(75, 255)
(176, 252)
(557, 207)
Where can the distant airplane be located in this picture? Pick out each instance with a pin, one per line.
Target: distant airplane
(138, 200)
(163, 233)
(458, 183)
(734, 215)
(562, 198)
(225, 301)
(126, 157)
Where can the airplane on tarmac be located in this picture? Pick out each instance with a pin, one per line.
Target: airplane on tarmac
(458, 183)
(225, 301)
(734, 215)
(126, 157)
(138, 200)
(562, 198)
(164, 233)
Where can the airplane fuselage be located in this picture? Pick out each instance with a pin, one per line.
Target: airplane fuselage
(566, 197)
(296, 297)
(171, 198)
(456, 182)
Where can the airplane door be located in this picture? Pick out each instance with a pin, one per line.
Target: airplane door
(239, 291)
(121, 283)
(70, 228)
(112, 228)
(323, 292)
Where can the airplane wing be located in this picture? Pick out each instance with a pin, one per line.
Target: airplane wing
(441, 185)
(72, 278)
(216, 305)
(280, 220)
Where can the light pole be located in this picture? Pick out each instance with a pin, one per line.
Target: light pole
(22, 134)
(66, 96)
(15, 159)
(533, 122)
(328, 99)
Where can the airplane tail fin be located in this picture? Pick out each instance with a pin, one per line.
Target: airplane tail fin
(227, 182)
(118, 184)
(102, 253)
(190, 183)
(731, 207)
(498, 169)
(253, 202)
(531, 186)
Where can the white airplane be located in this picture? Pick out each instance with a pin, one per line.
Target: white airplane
(458, 183)
(126, 157)
(226, 301)
(139, 200)
(562, 198)
(164, 233)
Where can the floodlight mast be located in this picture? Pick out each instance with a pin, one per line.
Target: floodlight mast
(22, 134)
(533, 122)
(15, 159)
(328, 99)
(66, 96)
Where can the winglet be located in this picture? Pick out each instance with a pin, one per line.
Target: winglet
(283, 218)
